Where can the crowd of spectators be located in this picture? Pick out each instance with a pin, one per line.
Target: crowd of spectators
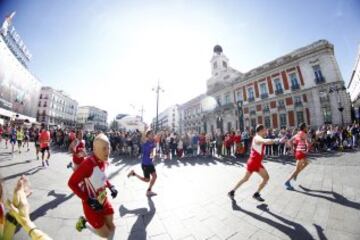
(190, 144)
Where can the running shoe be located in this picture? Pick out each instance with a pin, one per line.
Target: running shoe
(288, 185)
(81, 224)
(43, 163)
(69, 165)
(258, 197)
(231, 194)
(131, 173)
(150, 193)
(47, 162)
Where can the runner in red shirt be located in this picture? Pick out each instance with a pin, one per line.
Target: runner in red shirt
(44, 139)
(254, 163)
(301, 149)
(202, 143)
(89, 183)
(1, 133)
(77, 148)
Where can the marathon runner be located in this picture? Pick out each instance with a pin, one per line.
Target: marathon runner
(44, 139)
(77, 148)
(147, 165)
(301, 146)
(19, 138)
(254, 163)
(26, 139)
(12, 138)
(98, 211)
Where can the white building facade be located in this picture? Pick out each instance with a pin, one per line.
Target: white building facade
(191, 115)
(19, 88)
(303, 86)
(56, 108)
(354, 86)
(168, 119)
(92, 118)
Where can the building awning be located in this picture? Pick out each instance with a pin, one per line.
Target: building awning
(12, 115)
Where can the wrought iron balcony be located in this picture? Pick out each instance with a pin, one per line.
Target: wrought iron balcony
(281, 107)
(298, 104)
(319, 80)
(295, 87)
(251, 99)
(252, 112)
(266, 110)
(279, 91)
(264, 95)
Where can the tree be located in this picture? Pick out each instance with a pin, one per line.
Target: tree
(114, 125)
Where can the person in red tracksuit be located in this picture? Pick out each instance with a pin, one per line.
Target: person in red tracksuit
(89, 183)
(77, 147)
(254, 163)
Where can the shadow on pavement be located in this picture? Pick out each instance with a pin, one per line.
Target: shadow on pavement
(320, 232)
(28, 172)
(59, 199)
(144, 217)
(13, 164)
(337, 198)
(291, 229)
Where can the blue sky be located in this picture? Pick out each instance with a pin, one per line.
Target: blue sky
(111, 53)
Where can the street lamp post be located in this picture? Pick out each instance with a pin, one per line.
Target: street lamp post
(157, 89)
(338, 90)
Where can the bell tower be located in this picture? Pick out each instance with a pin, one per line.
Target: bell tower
(219, 62)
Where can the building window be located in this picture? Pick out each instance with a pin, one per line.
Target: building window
(215, 65)
(324, 97)
(239, 96)
(266, 108)
(326, 111)
(229, 126)
(224, 64)
(283, 120)
(297, 100)
(281, 104)
(40, 96)
(39, 104)
(253, 123)
(263, 91)
(45, 104)
(227, 98)
(218, 100)
(267, 121)
(318, 75)
(300, 117)
(294, 81)
(278, 86)
(251, 94)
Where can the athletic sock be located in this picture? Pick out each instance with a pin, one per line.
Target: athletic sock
(90, 228)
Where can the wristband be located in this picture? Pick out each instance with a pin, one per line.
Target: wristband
(31, 230)
(11, 219)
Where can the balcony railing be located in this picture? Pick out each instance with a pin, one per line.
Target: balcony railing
(279, 91)
(252, 112)
(251, 99)
(319, 80)
(281, 107)
(295, 87)
(266, 110)
(298, 104)
(264, 95)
